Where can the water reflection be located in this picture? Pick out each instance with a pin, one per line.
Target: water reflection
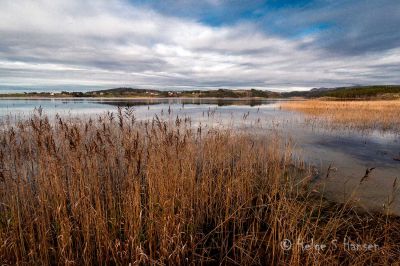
(183, 101)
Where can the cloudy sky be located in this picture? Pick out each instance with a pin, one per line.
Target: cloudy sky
(180, 44)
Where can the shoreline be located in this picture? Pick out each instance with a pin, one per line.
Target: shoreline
(140, 98)
(328, 99)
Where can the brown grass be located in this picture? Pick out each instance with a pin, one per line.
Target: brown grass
(363, 115)
(117, 191)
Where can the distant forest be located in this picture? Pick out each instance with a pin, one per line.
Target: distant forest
(356, 92)
(348, 92)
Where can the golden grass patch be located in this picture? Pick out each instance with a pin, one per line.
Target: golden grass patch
(363, 115)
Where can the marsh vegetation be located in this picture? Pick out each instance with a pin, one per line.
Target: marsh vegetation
(359, 115)
(113, 189)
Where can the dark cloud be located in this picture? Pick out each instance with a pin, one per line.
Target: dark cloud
(348, 27)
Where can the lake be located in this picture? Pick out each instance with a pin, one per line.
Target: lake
(349, 152)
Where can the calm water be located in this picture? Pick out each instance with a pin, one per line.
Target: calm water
(349, 152)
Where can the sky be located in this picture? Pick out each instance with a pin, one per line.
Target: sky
(278, 45)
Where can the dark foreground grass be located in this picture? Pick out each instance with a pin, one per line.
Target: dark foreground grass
(117, 191)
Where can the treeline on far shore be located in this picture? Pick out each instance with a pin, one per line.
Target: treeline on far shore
(355, 92)
(363, 92)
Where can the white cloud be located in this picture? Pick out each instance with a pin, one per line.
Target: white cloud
(112, 43)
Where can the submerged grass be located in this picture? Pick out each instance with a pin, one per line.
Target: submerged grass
(361, 115)
(118, 191)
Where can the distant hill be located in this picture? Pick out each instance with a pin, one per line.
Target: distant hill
(123, 90)
(355, 92)
(349, 92)
(220, 93)
(322, 89)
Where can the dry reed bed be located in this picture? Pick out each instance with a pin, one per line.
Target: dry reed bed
(117, 191)
(361, 115)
